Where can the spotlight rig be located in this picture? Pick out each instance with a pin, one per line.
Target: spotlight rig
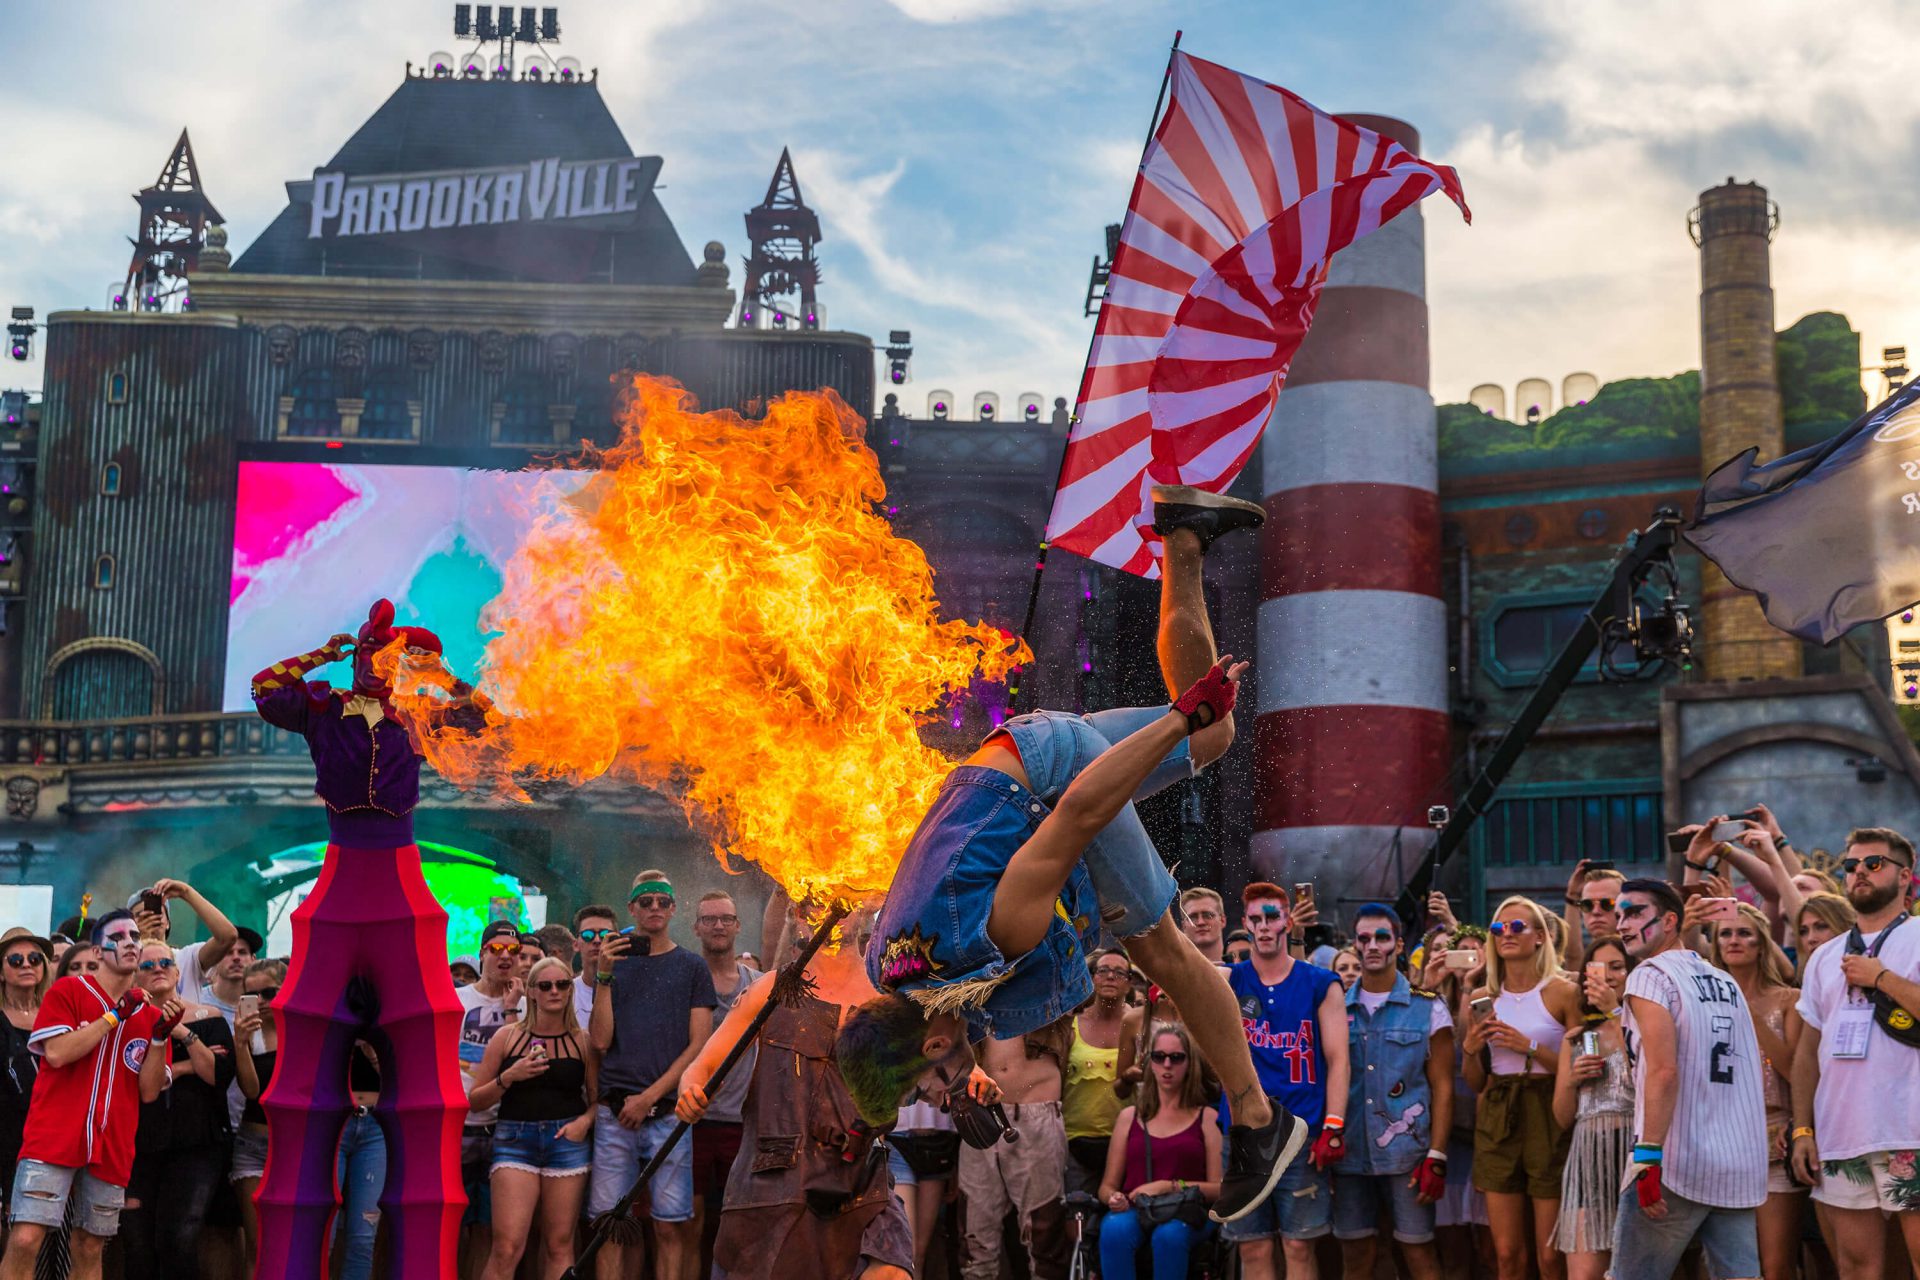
(20, 333)
(899, 351)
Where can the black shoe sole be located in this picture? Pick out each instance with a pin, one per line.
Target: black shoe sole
(1209, 515)
(1288, 1150)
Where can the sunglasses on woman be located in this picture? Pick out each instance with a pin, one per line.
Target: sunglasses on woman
(1514, 927)
(1167, 1058)
(552, 984)
(148, 966)
(26, 960)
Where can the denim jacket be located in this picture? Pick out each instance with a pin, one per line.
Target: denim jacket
(1389, 1105)
(931, 938)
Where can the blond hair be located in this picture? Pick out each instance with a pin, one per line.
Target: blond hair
(1546, 961)
(1773, 968)
(568, 1019)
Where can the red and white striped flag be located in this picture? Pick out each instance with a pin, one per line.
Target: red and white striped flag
(1244, 193)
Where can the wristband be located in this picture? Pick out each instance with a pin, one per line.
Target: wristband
(1804, 1131)
(602, 979)
(111, 1018)
(1336, 1123)
(1647, 1153)
(1436, 1155)
(1700, 866)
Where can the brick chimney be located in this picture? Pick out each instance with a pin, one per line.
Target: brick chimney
(1739, 408)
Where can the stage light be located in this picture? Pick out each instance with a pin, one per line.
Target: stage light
(441, 65)
(119, 302)
(746, 317)
(20, 333)
(899, 352)
(779, 319)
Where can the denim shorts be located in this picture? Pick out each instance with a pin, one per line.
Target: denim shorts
(1358, 1198)
(1134, 886)
(537, 1147)
(619, 1153)
(249, 1155)
(40, 1192)
(1644, 1246)
(1300, 1208)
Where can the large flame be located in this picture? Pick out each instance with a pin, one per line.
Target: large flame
(721, 612)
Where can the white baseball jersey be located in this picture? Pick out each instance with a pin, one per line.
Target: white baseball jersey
(1716, 1146)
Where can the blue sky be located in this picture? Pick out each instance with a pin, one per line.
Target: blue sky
(965, 154)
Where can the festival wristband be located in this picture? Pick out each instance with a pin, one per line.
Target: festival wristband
(1647, 1153)
(1437, 1155)
(1334, 1122)
(1804, 1131)
(111, 1018)
(1700, 866)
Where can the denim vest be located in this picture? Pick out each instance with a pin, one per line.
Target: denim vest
(1388, 1050)
(931, 938)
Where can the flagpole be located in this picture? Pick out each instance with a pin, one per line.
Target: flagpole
(1040, 558)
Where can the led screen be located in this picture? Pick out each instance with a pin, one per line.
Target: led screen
(315, 543)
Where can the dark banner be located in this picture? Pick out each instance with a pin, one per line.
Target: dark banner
(1828, 537)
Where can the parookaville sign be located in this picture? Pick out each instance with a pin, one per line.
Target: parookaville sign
(538, 191)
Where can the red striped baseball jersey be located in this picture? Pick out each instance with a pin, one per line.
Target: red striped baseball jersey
(1716, 1147)
(83, 1115)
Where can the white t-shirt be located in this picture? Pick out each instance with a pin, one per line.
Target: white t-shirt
(1869, 1104)
(1716, 1143)
(583, 1000)
(483, 1017)
(1372, 1000)
(191, 984)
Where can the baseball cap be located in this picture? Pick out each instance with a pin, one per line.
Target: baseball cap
(472, 962)
(255, 943)
(500, 929)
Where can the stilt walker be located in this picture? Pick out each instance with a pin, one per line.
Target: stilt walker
(369, 963)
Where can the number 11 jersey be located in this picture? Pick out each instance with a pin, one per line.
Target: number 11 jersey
(1716, 1146)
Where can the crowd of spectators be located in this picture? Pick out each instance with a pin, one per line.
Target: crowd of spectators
(1512, 1099)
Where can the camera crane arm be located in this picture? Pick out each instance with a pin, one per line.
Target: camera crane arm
(1613, 616)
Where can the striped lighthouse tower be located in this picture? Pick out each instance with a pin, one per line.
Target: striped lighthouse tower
(1351, 728)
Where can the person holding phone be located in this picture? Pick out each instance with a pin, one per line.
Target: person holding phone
(1512, 1052)
(653, 1006)
(1593, 1099)
(256, 1044)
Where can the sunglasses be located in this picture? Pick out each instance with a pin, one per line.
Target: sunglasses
(1872, 862)
(551, 984)
(266, 994)
(502, 948)
(1514, 927)
(1266, 913)
(26, 960)
(1598, 904)
(1110, 971)
(1167, 1058)
(715, 919)
(594, 935)
(652, 901)
(1381, 936)
(148, 966)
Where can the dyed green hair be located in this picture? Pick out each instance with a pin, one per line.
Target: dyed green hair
(879, 1055)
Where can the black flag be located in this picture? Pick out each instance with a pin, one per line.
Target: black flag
(1828, 537)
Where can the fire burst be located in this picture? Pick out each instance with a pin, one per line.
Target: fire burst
(720, 612)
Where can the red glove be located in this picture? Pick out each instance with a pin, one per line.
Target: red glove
(1430, 1180)
(1210, 698)
(130, 1003)
(1329, 1148)
(1647, 1188)
(164, 1028)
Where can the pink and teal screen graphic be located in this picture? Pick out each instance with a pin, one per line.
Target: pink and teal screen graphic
(315, 543)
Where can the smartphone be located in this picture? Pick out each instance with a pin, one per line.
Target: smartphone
(151, 901)
(1302, 893)
(1481, 1006)
(1731, 828)
(1722, 910)
(1688, 892)
(249, 1005)
(1460, 961)
(1597, 970)
(1677, 841)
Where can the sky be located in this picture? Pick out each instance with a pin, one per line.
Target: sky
(965, 155)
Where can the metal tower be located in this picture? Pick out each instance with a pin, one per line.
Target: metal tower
(174, 216)
(781, 234)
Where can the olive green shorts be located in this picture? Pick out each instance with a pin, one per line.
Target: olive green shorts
(1517, 1147)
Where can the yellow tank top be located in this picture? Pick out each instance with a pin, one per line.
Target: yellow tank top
(1090, 1105)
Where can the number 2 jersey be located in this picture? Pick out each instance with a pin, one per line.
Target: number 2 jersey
(1716, 1147)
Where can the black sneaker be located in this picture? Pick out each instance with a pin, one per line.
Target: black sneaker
(1255, 1161)
(1179, 506)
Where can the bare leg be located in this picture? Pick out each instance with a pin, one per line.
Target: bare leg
(1860, 1241)
(1185, 641)
(1507, 1216)
(1165, 955)
(1552, 1265)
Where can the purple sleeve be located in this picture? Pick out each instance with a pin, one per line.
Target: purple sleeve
(290, 707)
